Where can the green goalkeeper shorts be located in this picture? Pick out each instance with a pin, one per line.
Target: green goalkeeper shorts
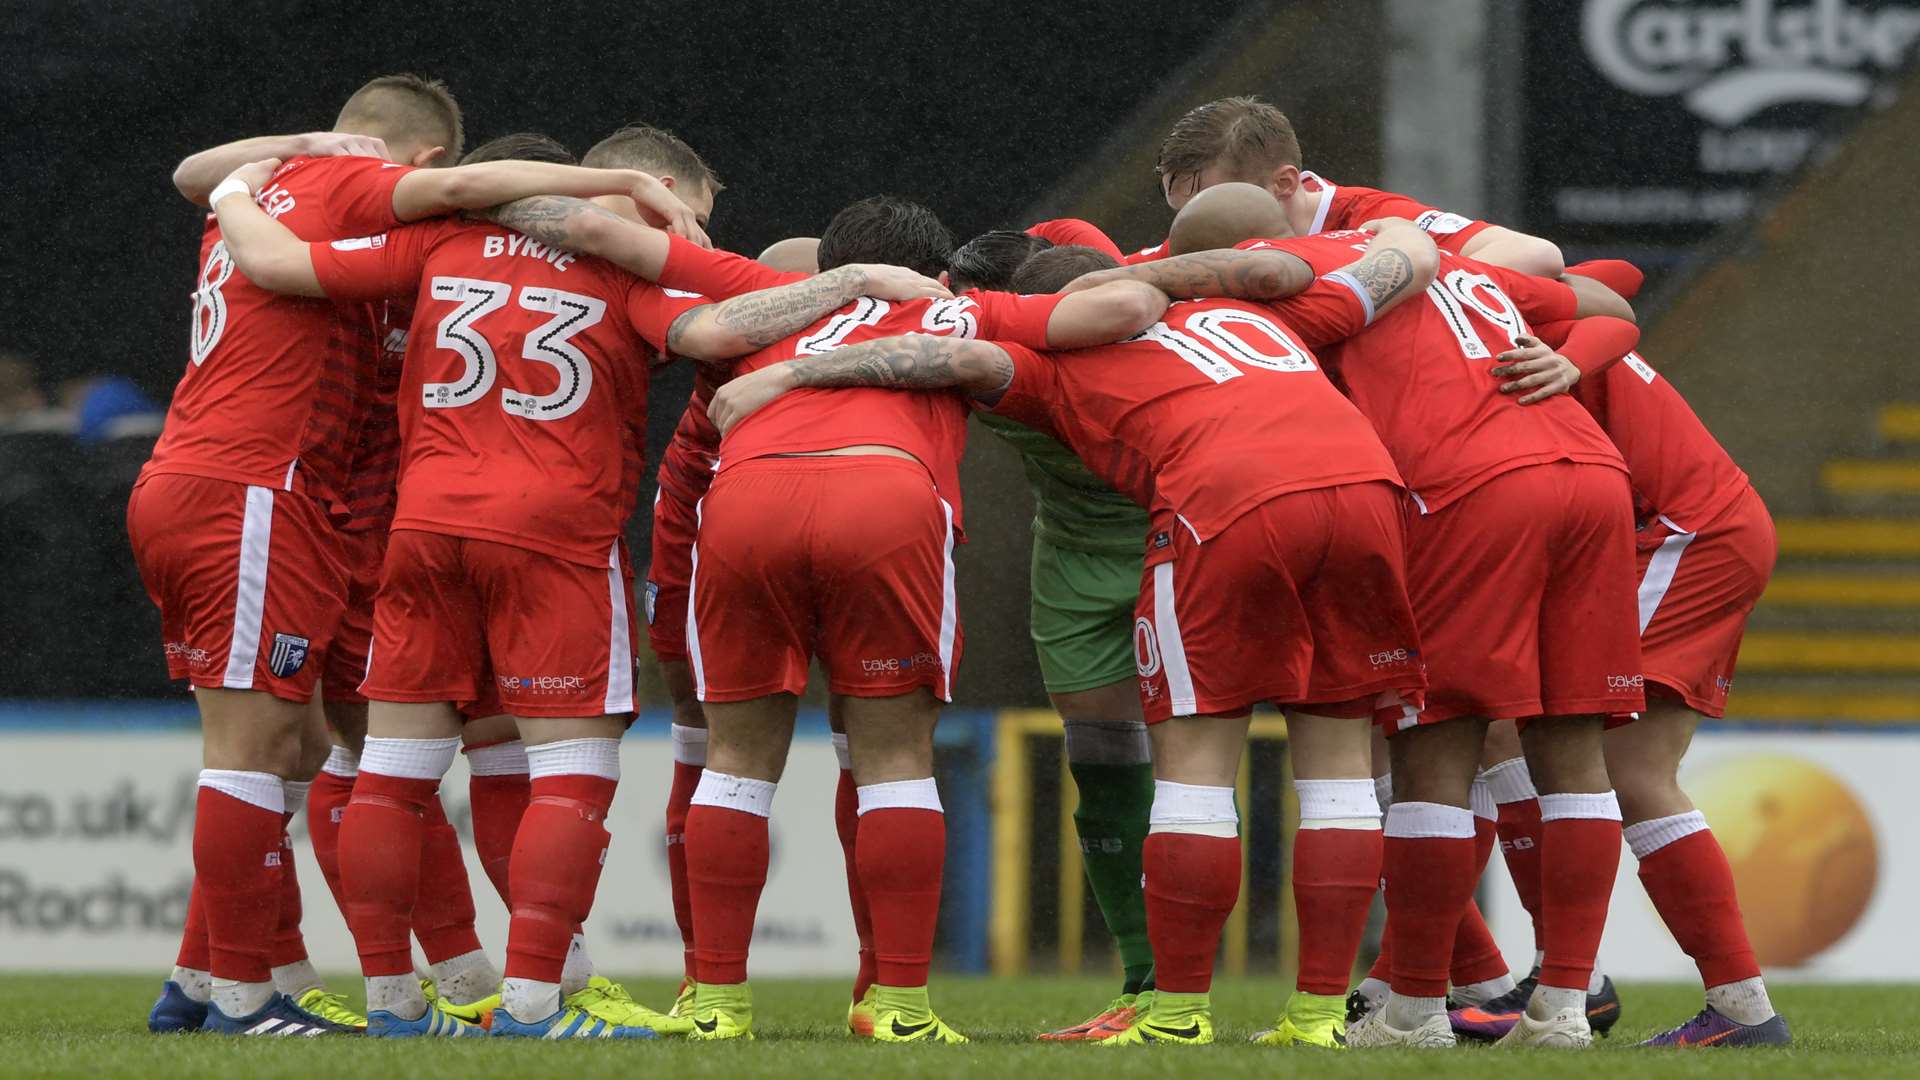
(1082, 616)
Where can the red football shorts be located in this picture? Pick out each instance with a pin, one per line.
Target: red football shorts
(1303, 600)
(346, 663)
(846, 558)
(1524, 589)
(462, 620)
(250, 581)
(668, 573)
(1696, 591)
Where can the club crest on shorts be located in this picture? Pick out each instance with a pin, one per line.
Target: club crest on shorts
(1146, 649)
(289, 655)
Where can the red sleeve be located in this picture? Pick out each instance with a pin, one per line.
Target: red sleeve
(1065, 231)
(385, 266)
(651, 309)
(1450, 231)
(718, 274)
(359, 199)
(1598, 343)
(1016, 317)
(1034, 393)
(1145, 255)
(1617, 274)
(1331, 309)
(1539, 300)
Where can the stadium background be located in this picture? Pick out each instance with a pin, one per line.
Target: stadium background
(1768, 187)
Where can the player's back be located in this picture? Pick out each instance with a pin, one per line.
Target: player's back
(931, 425)
(1421, 374)
(524, 394)
(1210, 412)
(1679, 470)
(270, 394)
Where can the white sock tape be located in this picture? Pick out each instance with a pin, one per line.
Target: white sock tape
(689, 745)
(900, 795)
(498, 759)
(734, 793)
(264, 790)
(1599, 806)
(412, 759)
(1425, 820)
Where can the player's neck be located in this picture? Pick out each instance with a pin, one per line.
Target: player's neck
(1302, 207)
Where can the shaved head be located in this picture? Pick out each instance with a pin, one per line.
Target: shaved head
(795, 255)
(1224, 215)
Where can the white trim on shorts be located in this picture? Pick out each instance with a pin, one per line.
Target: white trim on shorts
(693, 621)
(1661, 567)
(250, 598)
(949, 608)
(1173, 654)
(619, 639)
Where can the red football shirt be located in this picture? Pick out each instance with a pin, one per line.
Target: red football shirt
(523, 399)
(1420, 373)
(686, 466)
(1679, 470)
(930, 425)
(1351, 207)
(1215, 409)
(271, 393)
(1062, 232)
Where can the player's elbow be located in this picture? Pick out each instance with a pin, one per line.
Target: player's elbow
(1520, 251)
(981, 368)
(188, 181)
(1125, 308)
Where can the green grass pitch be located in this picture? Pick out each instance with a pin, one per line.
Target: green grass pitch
(93, 1026)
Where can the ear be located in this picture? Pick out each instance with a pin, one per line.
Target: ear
(1284, 182)
(666, 181)
(943, 280)
(427, 159)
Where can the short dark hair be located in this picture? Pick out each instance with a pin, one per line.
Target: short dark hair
(885, 229)
(1245, 134)
(522, 146)
(654, 150)
(410, 106)
(988, 261)
(1049, 271)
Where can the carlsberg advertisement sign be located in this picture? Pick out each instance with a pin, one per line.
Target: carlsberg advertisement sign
(1655, 121)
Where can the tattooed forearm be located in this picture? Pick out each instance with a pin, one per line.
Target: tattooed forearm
(913, 362)
(761, 318)
(1250, 275)
(1385, 274)
(553, 220)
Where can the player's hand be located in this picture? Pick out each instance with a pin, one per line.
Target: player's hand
(1379, 223)
(748, 394)
(899, 283)
(663, 209)
(1538, 372)
(255, 174)
(343, 144)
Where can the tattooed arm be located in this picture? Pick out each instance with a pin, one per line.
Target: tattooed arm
(754, 320)
(1243, 275)
(909, 362)
(580, 226)
(1399, 262)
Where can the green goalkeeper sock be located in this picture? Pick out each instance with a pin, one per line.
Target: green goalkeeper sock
(1112, 823)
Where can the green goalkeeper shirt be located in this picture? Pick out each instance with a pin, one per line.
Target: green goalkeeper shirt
(1072, 508)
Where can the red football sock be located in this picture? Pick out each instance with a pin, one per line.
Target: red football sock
(288, 947)
(846, 822)
(900, 852)
(326, 807)
(381, 836)
(557, 858)
(193, 940)
(1520, 843)
(685, 778)
(236, 865)
(1192, 883)
(1335, 873)
(1691, 885)
(1382, 968)
(1580, 841)
(726, 871)
(443, 909)
(498, 804)
(1476, 955)
(1430, 879)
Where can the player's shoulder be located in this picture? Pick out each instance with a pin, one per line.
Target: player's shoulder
(327, 169)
